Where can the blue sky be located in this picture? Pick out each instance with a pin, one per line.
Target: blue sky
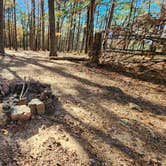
(154, 6)
(119, 10)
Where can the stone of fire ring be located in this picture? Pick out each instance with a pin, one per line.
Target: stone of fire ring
(37, 106)
(21, 112)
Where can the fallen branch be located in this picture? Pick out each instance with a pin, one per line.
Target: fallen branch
(69, 58)
(23, 87)
(26, 89)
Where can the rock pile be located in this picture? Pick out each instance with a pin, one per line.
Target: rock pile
(36, 99)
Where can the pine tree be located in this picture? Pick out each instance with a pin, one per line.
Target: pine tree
(1, 28)
(53, 42)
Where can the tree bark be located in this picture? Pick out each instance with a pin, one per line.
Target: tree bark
(77, 47)
(95, 51)
(1, 28)
(53, 42)
(87, 30)
(58, 30)
(15, 27)
(43, 25)
(91, 24)
(32, 27)
(71, 29)
(108, 26)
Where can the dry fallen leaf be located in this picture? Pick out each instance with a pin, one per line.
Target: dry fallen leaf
(4, 131)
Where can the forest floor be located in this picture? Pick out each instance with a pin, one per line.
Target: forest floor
(105, 115)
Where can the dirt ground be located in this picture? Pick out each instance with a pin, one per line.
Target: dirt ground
(103, 118)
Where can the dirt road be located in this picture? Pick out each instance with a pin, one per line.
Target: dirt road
(102, 118)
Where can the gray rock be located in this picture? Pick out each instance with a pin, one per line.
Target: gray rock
(21, 112)
(135, 107)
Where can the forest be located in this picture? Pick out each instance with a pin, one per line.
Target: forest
(83, 82)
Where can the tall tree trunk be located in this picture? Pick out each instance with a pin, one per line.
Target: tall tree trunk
(32, 27)
(130, 24)
(74, 27)
(131, 10)
(27, 25)
(71, 28)
(58, 26)
(24, 35)
(53, 42)
(15, 27)
(91, 23)
(48, 38)
(43, 24)
(78, 33)
(108, 26)
(9, 28)
(83, 40)
(38, 28)
(87, 30)
(1, 28)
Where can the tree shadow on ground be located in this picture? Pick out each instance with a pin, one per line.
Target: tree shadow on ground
(78, 135)
(113, 93)
(7, 154)
(30, 128)
(110, 91)
(154, 139)
(151, 76)
(88, 145)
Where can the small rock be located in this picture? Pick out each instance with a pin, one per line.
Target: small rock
(67, 139)
(21, 112)
(45, 95)
(135, 107)
(58, 144)
(92, 161)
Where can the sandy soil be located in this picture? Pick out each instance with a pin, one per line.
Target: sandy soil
(96, 121)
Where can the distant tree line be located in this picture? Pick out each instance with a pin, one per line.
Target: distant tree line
(70, 25)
